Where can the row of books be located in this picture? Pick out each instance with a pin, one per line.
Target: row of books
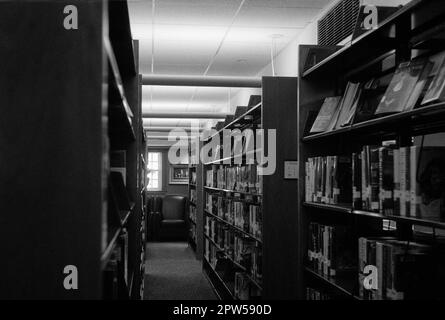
(415, 83)
(404, 270)
(328, 180)
(115, 274)
(244, 215)
(406, 181)
(237, 282)
(240, 249)
(316, 295)
(330, 252)
(243, 178)
(244, 288)
(193, 196)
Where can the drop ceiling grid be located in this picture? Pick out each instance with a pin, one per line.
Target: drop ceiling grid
(187, 34)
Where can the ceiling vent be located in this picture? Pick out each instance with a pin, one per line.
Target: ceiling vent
(338, 23)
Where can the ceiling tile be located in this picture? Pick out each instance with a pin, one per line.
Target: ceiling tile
(254, 16)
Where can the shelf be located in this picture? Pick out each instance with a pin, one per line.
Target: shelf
(331, 207)
(253, 111)
(254, 281)
(344, 285)
(121, 127)
(418, 222)
(370, 214)
(391, 124)
(121, 38)
(221, 281)
(232, 191)
(126, 214)
(364, 48)
(401, 219)
(247, 234)
(106, 255)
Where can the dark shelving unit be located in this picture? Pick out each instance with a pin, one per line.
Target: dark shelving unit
(393, 41)
(278, 245)
(81, 104)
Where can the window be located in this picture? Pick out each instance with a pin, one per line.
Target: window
(154, 174)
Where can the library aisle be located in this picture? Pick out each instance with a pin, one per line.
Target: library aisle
(173, 273)
(244, 151)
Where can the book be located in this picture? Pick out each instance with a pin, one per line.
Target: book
(348, 105)
(427, 182)
(329, 180)
(419, 90)
(374, 182)
(324, 117)
(386, 180)
(435, 91)
(329, 250)
(356, 181)
(401, 87)
(369, 98)
(401, 268)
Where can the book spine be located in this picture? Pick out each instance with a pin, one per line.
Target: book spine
(403, 180)
(356, 183)
(415, 198)
(374, 179)
(408, 182)
(380, 273)
(362, 261)
(363, 180)
(386, 158)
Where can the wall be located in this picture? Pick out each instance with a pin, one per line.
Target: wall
(166, 187)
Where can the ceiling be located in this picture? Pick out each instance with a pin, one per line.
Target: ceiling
(210, 38)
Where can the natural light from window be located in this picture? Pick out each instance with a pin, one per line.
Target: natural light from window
(154, 174)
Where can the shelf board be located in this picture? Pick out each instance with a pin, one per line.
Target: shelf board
(252, 280)
(410, 220)
(222, 282)
(251, 111)
(418, 222)
(247, 234)
(121, 38)
(106, 255)
(344, 285)
(232, 191)
(218, 161)
(364, 46)
(331, 207)
(121, 126)
(126, 214)
(436, 111)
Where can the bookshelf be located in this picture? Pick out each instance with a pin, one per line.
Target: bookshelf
(195, 193)
(249, 240)
(193, 199)
(410, 33)
(78, 145)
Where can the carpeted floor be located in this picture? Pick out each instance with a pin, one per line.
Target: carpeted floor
(173, 273)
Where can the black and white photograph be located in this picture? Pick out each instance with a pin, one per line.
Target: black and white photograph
(210, 158)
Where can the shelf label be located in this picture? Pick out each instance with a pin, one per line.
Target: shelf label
(291, 170)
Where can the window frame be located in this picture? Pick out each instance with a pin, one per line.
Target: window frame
(159, 170)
